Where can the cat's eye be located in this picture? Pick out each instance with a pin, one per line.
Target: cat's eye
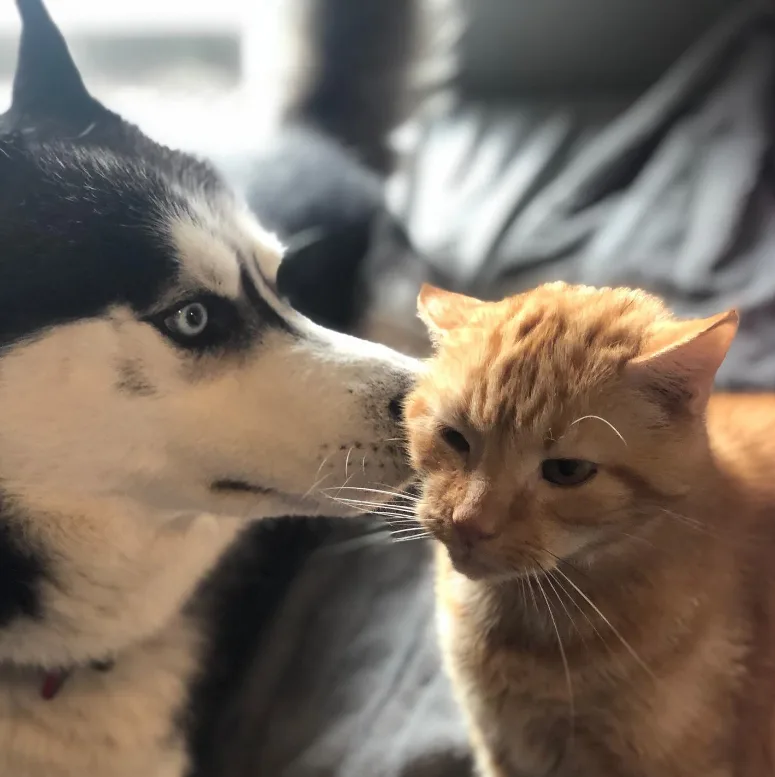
(567, 472)
(456, 440)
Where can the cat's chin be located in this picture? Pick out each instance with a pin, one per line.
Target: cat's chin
(475, 566)
(472, 566)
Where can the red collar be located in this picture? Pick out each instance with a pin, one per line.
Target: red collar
(54, 679)
(53, 682)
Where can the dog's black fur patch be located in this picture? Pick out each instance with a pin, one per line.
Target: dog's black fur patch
(76, 236)
(22, 570)
(239, 485)
(237, 604)
(84, 195)
(131, 380)
(266, 313)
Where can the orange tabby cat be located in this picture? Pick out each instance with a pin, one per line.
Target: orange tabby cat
(605, 583)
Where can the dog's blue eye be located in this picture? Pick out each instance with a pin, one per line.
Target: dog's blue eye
(189, 321)
(203, 323)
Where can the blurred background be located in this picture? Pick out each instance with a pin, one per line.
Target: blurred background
(486, 146)
(183, 71)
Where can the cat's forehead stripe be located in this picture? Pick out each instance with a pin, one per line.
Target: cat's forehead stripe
(546, 348)
(643, 491)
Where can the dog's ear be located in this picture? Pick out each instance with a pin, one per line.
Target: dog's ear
(49, 96)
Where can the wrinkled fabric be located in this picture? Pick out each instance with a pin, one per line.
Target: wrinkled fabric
(671, 191)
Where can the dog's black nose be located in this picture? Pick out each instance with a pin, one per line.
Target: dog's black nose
(396, 407)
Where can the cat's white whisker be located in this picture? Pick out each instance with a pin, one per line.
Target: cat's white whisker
(638, 538)
(425, 536)
(400, 522)
(402, 491)
(607, 423)
(376, 506)
(608, 623)
(685, 518)
(529, 580)
(551, 580)
(523, 591)
(396, 532)
(392, 494)
(694, 524)
(591, 623)
(565, 664)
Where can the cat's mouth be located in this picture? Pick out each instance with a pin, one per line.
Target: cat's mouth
(477, 563)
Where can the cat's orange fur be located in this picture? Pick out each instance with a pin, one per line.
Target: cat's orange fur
(624, 626)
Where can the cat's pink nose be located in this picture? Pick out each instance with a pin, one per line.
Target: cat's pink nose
(471, 532)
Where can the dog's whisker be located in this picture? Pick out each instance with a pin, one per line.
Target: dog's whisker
(322, 464)
(344, 485)
(314, 487)
(347, 462)
(315, 481)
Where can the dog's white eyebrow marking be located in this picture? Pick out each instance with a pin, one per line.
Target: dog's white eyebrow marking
(213, 243)
(262, 246)
(206, 260)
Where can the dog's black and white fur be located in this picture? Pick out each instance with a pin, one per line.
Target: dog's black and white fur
(155, 393)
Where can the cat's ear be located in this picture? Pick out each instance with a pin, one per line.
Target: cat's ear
(682, 360)
(442, 311)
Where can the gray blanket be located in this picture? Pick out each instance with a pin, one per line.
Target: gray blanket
(673, 192)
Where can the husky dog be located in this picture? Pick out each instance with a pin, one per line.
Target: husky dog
(155, 394)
